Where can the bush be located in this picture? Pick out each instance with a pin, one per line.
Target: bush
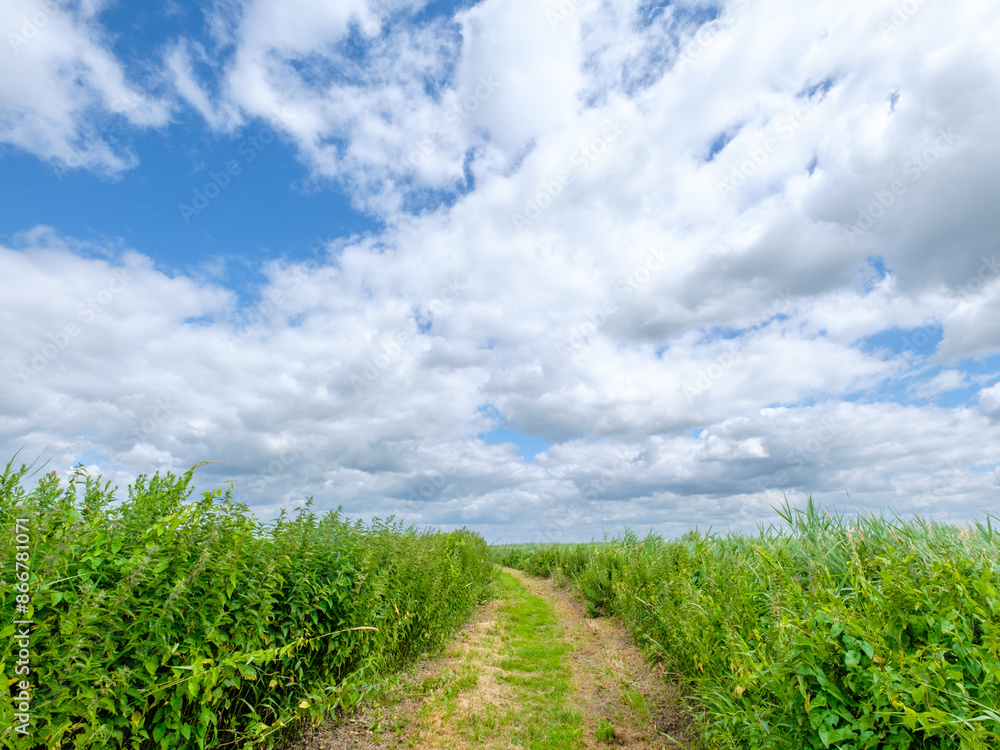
(827, 633)
(161, 622)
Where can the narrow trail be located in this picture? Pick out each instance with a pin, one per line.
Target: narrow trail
(531, 670)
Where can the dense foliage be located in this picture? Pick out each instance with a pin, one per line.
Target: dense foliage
(826, 633)
(563, 561)
(162, 622)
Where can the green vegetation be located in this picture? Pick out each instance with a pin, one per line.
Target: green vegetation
(829, 633)
(529, 700)
(532, 653)
(555, 560)
(605, 731)
(162, 622)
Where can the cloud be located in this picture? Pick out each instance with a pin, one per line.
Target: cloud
(989, 402)
(278, 403)
(687, 250)
(971, 324)
(69, 90)
(354, 96)
(946, 380)
(181, 71)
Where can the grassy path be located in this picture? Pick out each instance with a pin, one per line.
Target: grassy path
(518, 683)
(531, 671)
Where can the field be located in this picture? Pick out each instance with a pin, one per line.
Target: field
(161, 622)
(826, 633)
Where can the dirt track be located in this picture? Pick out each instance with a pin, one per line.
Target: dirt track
(471, 697)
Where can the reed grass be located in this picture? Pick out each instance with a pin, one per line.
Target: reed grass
(822, 632)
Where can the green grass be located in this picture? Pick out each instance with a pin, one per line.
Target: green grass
(636, 701)
(533, 708)
(165, 622)
(531, 655)
(605, 731)
(826, 633)
(556, 560)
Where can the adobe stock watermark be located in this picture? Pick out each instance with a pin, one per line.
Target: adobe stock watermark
(430, 143)
(624, 289)
(113, 118)
(391, 348)
(219, 179)
(555, 533)
(622, 464)
(592, 490)
(781, 305)
(549, 190)
(140, 431)
(721, 250)
(713, 372)
(288, 452)
(255, 318)
(988, 269)
(797, 458)
(706, 36)
(441, 304)
(32, 25)
(901, 14)
(433, 482)
(939, 484)
(561, 13)
(787, 124)
(86, 313)
(21, 689)
(372, 27)
(922, 339)
(268, 305)
(885, 199)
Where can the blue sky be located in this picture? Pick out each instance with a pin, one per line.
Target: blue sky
(541, 269)
(270, 209)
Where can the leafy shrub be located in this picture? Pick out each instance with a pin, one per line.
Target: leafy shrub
(827, 633)
(545, 560)
(161, 622)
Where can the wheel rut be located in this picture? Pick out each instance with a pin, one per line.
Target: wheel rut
(530, 670)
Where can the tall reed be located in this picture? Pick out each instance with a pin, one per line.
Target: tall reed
(825, 632)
